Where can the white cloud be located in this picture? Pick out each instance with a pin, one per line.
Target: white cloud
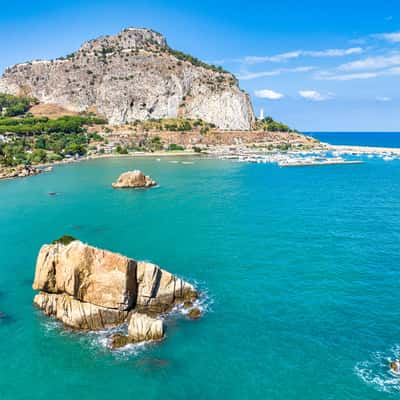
(255, 75)
(313, 95)
(328, 76)
(305, 53)
(335, 76)
(383, 99)
(378, 62)
(277, 58)
(393, 37)
(268, 94)
(335, 52)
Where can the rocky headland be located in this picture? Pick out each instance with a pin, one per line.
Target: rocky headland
(131, 76)
(134, 179)
(21, 171)
(87, 288)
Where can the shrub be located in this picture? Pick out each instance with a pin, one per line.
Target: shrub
(175, 147)
(14, 105)
(65, 240)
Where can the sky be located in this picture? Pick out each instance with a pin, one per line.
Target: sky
(315, 65)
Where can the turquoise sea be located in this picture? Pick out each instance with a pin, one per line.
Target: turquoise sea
(300, 269)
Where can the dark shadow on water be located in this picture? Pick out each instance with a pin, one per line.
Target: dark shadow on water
(6, 319)
(100, 229)
(149, 364)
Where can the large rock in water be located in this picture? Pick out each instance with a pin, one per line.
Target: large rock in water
(132, 76)
(134, 179)
(89, 288)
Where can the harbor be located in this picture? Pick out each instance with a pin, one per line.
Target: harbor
(317, 157)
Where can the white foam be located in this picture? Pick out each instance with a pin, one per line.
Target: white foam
(100, 340)
(376, 372)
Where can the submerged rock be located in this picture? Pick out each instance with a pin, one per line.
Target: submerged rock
(144, 328)
(118, 340)
(194, 313)
(90, 289)
(134, 179)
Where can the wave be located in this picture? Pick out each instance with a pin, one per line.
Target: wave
(100, 340)
(375, 371)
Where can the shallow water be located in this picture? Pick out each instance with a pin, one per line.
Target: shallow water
(300, 266)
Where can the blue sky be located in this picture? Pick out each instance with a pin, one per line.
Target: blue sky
(328, 66)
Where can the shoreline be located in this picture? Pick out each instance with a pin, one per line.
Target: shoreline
(133, 155)
(340, 149)
(41, 168)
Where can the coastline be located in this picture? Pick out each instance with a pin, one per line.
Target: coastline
(340, 149)
(41, 168)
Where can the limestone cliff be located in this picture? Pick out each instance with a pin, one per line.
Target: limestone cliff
(131, 76)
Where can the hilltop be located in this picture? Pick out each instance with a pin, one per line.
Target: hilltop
(132, 76)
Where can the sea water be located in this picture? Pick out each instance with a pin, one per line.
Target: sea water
(299, 269)
(373, 139)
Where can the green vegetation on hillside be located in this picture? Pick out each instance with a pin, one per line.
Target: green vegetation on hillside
(173, 124)
(11, 106)
(36, 126)
(65, 239)
(45, 147)
(195, 61)
(175, 147)
(31, 140)
(267, 124)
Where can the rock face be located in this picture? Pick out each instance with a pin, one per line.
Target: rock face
(142, 328)
(134, 179)
(87, 274)
(158, 289)
(77, 314)
(132, 76)
(88, 288)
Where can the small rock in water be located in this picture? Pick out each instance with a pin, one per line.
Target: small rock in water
(134, 179)
(5, 318)
(194, 313)
(118, 340)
